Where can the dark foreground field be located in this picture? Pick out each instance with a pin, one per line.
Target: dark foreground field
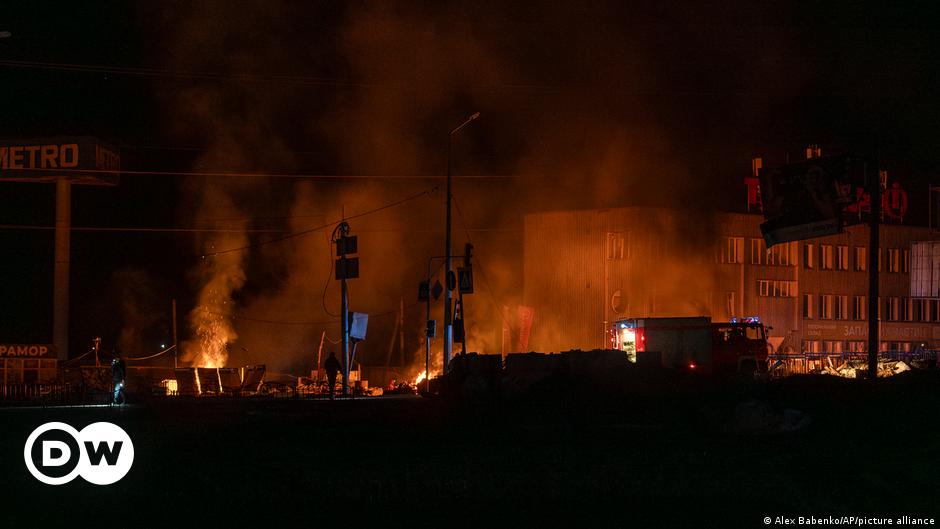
(651, 453)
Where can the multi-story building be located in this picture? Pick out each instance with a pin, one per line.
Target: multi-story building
(585, 269)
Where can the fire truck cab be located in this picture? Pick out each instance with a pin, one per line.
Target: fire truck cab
(694, 343)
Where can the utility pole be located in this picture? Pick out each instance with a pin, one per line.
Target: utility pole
(60, 289)
(176, 345)
(346, 268)
(448, 265)
(874, 246)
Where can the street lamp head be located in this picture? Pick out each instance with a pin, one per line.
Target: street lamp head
(472, 117)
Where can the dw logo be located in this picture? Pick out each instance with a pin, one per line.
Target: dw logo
(102, 453)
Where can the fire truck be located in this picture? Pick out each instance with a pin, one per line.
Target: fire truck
(695, 343)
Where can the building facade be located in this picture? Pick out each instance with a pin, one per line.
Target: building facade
(583, 270)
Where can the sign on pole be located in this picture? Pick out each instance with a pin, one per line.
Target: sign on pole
(465, 280)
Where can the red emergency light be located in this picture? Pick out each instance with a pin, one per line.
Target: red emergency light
(641, 340)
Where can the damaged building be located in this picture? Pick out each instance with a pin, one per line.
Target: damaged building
(585, 269)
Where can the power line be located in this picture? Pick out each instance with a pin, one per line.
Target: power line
(144, 230)
(158, 72)
(123, 172)
(305, 232)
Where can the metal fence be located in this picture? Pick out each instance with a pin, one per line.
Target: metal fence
(814, 362)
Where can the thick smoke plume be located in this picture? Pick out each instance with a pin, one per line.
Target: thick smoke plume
(581, 112)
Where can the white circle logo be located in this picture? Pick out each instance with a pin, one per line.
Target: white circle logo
(102, 453)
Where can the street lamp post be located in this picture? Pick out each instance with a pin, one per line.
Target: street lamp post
(448, 294)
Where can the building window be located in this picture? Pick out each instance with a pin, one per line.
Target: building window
(733, 251)
(905, 261)
(615, 245)
(842, 307)
(758, 249)
(907, 310)
(893, 308)
(763, 288)
(831, 346)
(825, 256)
(809, 255)
(859, 308)
(783, 254)
(825, 306)
(842, 258)
(808, 306)
(894, 260)
(776, 289)
(934, 309)
(810, 346)
(921, 310)
(861, 259)
(857, 346)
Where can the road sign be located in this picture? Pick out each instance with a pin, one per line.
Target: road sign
(431, 328)
(347, 244)
(437, 290)
(350, 270)
(465, 280)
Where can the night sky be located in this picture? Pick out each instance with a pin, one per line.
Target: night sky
(584, 104)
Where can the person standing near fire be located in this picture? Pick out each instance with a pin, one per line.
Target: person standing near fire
(331, 366)
(118, 372)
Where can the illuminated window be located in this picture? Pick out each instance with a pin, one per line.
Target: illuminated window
(905, 261)
(783, 254)
(808, 306)
(758, 249)
(825, 306)
(809, 255)
(861, 259)
(842, 307)
(825, 256)
(776, 289)
(920, 310)
(763, 287)
(733, 250)
(615, 245)
(894, 260)
(842, 258)
(893, 308)
(859, 308)
(857, 346)
(810, 346)
(907, 309)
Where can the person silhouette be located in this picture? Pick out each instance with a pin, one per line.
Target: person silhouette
(331, 366)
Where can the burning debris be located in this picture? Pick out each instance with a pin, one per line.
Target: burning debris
(853, 369)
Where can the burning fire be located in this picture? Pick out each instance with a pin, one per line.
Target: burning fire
(213, 333)
(420, 378)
